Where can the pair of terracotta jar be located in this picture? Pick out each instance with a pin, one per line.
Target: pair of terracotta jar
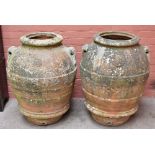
(114, 69)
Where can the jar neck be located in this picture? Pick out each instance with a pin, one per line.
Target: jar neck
(42, 39)
(116, 38)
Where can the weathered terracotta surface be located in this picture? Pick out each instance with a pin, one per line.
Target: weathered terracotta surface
(41, 72)
(114, 70)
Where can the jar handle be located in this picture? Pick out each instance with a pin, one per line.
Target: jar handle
(72, 54)
(147, 51)
(11, 50)
(85, 48)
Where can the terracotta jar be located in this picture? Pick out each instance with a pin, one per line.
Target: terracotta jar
(41, 72)
(114, 70)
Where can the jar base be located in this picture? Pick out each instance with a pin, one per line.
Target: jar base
(110, 121)
(43, 122)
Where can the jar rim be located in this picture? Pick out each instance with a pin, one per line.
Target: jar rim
(116, 38)
(41, 39)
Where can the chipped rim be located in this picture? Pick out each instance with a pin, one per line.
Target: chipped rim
(133, 39)
(33, 39)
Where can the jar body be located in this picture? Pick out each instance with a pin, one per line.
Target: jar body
(113, 80)
(42, 80)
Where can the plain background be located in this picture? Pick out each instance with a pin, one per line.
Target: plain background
(69, 12)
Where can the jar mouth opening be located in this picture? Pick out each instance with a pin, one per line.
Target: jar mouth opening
(41, 39)
(116, 38)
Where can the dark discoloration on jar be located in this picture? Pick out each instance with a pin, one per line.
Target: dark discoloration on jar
(41, 72)
(114, 70)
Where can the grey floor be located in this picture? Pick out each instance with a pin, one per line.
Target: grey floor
(79, 118)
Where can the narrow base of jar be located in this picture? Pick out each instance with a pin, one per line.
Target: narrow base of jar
(43, 118)
(43, 122)
(110, 121)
